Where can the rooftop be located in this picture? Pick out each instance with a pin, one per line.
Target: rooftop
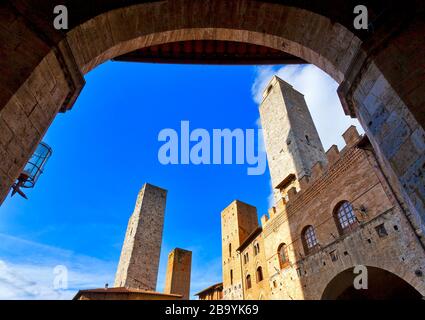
(210, 288)
(124, 290)
(250, 237)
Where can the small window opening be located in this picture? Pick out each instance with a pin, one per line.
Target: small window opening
(382, 232)
(333, 255)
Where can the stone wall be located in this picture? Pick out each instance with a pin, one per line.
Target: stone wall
(255, 258)
(238, 220)
(26, 117)
(399, 139)
(177, 279)
(139, 260)
(292, 143)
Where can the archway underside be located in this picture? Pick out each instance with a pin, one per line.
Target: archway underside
(381, 285)
(210, 52)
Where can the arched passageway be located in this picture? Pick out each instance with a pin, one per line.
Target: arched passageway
(382, 285)
(380, 71)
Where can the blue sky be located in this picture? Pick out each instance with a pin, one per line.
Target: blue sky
(106, 147)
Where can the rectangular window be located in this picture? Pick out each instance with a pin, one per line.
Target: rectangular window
(381, 231)
(299, 272)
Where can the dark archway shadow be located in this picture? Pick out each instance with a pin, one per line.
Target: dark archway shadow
(382, 285)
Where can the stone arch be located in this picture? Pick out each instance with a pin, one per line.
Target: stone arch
(259, 274)
(248, 281)
(223, 34)
(370, 87)
(126, 29)
(339, 198)
(382, 284)
(282, 255)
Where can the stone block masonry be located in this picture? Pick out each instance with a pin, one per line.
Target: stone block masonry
(292, 143)
(177, 280)
(138, 265)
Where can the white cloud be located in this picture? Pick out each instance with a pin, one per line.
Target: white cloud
(27, 270)
(270, 198)
(319, 90)
(263, 76)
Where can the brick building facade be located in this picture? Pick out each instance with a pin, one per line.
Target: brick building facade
(214, 292)
(328, 218)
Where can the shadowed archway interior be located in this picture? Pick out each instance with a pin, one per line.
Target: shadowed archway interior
(381, 285)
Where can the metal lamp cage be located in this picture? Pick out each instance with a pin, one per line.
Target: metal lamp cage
(34, 167)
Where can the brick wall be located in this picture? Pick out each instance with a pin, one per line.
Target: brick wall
(353, 175)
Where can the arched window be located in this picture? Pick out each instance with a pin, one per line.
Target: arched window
(248, 281)
(309, 239)
(345, 217)
(231, 277)
(256, 248)
(282, 252)
(259, 274)
(245, 258)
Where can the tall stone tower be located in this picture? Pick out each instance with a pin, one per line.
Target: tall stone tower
(177, 279)
(238, 220)
(138, 265)
(292, 143)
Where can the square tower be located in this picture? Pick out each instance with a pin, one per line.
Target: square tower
(238, 221)
(292, 143)
(177, 279)
(139, 260)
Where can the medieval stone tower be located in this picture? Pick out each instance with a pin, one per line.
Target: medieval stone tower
(292, 143)
(138, 265)
(238, 220)
(177, 279)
